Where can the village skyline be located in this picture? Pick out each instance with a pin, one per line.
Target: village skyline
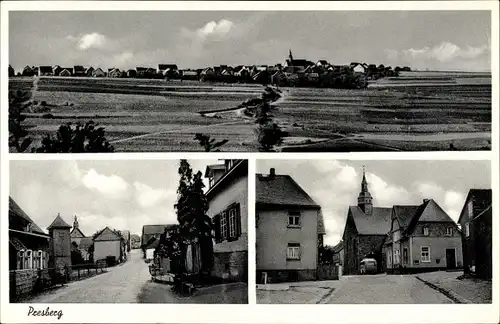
(335, 184)
(122, 196)
(200, 39)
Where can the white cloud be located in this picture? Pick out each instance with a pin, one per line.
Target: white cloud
(444, 52)
(451, 201)
(147, 196)
(386, 194)
(213, 28)
(92, 40)
(112, 186)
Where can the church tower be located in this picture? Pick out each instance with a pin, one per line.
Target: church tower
(290, 55)
(75, 223)
(365, 198)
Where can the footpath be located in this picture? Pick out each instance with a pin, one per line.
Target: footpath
(460, 289)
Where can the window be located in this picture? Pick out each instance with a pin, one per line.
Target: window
(232, 222)
(396, 257)
(405, 255)
(211, 181)
(223, 226)
(20, 260)
(293, 251)
(425, 254)
(467, 233)
(426, 231)
(470, 209)
(449, 231)
(28, 227)
(28, 262)
(293, 219)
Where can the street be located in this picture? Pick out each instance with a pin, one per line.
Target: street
(121, 284)
(131, 283)
(385, 289)
(367, 289)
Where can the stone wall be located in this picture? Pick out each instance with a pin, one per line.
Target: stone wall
(23, 282)
(350, 247)
(231, 266)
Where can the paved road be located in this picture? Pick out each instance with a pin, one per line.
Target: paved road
(385, 289)
(122, 284)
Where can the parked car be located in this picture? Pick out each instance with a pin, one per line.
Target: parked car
(368, 265)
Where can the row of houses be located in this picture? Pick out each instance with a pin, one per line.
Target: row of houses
(292, 72)
(35, 254)
(227, 197)
(106, 244)
(418, 238)
(402, 238)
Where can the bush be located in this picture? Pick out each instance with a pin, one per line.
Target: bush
(269, 135)
(111, 260)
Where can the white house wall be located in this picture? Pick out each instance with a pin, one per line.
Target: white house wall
(102, 249)
(235, 192)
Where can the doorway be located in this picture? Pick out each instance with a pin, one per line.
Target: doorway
(451, 262)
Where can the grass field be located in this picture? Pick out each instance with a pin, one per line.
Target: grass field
(417, 111)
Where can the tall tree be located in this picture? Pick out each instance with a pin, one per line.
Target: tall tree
(18, 135)
(192, 206)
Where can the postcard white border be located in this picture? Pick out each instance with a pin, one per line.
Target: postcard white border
(175, 313)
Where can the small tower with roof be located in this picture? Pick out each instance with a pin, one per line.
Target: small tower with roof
(365, 198)
(60, 244)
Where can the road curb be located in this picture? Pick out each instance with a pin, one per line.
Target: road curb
(448, 293)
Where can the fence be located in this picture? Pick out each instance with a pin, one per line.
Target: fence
(26, 282)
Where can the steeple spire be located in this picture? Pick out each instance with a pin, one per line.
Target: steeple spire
(365, 198)
(75, 223)
(290, 55)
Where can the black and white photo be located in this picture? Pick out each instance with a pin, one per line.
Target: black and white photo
(373, 232)
(132, 231)
(241, 81)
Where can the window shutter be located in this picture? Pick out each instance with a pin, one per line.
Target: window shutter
(226, 214)
(238, 220)
(216, 221)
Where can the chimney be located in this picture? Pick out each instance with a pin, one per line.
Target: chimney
(272, 173)
(426, 201)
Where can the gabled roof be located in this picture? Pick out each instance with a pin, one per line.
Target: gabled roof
(339, 247)
(107, 235)
(76, 231)
(404, 214)
(378, 223)
(429, 211)
(16, 211)
(483, 195)
(45, 69)
(85, 243)
(239, 169)
(212, 167)
(58, 223)
(152, 243)
(167, 66)
(153, 229)
(281, 190)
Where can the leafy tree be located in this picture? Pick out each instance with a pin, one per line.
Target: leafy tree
(18, 135)
(82, 138)
(209, 144)
(192, 206)
(269, 135)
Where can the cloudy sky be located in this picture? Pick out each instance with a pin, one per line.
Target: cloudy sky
(124, 195)
(442, 40)
(335, 184)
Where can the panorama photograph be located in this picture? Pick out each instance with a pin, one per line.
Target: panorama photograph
(373, 232)
(242, 81)
(128, 231)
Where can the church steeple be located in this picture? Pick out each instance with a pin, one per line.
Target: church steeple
(75, 223)
(290, 55)
(365, 198)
